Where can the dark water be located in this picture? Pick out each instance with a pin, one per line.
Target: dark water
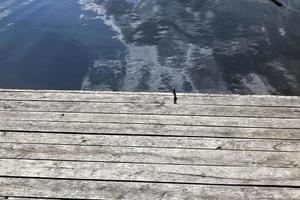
(215, 46)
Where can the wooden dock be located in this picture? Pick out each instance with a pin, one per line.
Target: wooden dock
(136, 146)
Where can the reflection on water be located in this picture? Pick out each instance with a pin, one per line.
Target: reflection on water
(216, 46)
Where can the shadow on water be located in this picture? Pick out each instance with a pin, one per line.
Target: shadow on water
(52, 63)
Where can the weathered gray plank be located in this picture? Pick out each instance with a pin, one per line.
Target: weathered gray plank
(136, 191)
(159, 109)
(145, 158)
(193, 99)
(150, 141)
(151, 172)
(151, 155)
(151, 119)
(149, 129)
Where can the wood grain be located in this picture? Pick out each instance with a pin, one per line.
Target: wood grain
(151, 155)
(148, 129)
(151, 172)
(151, 141)
(115, 145)
(135, 191)
(151, 119)
(162, 98)
(155, 109)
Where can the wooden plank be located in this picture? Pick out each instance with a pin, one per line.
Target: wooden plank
(150, 155)
(150, 141)
(135, 191)
(90, 92)
(192, 99)
(151, 119)
(23, 198)
(148, 129)
(158, 109)
(151, 172)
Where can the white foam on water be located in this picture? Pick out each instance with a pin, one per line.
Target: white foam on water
(282, 31)
(6, 11)
(4, 14)
(81, 17)
(139, 58)
(147, 65)
(281, 67)
(196, 52)
(257, 84)
(142, 62)
(100, 9)
(115, 67)
(138, 35)
(27, 2)
(136, 24)
(7, 25)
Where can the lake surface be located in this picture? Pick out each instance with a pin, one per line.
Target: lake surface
(214, 46)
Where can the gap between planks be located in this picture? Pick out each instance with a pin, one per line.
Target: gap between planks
(147, 129)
